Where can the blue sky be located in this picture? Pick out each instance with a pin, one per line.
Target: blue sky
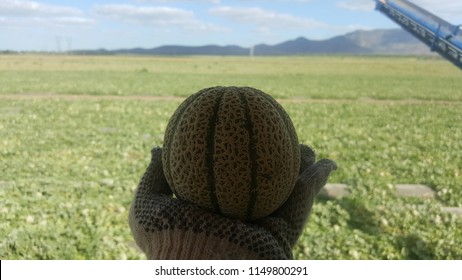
(50, 25)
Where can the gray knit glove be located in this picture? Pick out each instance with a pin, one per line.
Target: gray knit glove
(167, 228)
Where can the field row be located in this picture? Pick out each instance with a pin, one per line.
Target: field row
(282, 77)
(295, 100)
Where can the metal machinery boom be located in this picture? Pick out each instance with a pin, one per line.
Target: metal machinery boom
(441, 36)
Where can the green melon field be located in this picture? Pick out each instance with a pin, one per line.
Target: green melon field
(76, 134)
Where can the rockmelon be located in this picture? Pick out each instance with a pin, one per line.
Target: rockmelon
(231, 150)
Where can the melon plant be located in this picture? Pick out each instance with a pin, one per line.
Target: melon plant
(231, 150)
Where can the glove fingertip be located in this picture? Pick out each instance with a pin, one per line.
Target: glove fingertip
(308, 157)
(316, 176)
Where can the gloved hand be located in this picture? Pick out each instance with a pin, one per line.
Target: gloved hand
(167, 228)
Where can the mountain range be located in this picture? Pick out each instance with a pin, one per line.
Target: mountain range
(384, 42)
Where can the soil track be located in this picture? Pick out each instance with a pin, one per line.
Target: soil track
(45, 96)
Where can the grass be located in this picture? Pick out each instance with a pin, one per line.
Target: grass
(69, 167)
(283, 77)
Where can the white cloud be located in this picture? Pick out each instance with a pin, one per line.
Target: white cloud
(74, 21)
(173, 1)
(264, 18)
(447, 9)
(23, 12)
(296, 1)
(450, 9)
(22, 8)
(357, 5)
(218, 1)
(161, 17)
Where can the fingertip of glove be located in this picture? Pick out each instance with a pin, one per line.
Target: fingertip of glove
(318, 173)
(308, 157)
(327, 163)
(156, 151)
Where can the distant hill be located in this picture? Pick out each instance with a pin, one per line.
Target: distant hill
(185, 50)
(390, 41)
(301, 45)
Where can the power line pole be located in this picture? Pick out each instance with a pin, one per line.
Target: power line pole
(252, 51)
(69, 44)
(58, 44)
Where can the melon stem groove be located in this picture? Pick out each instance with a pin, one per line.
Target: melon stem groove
(210, 155)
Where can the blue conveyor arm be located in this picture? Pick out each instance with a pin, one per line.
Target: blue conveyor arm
(441, 36)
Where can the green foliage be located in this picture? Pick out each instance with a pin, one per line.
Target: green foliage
(380, 144)
(358, 228)
(283, 77)
(68, 168)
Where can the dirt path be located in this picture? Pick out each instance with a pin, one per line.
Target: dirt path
(41, 96)
(45, 96)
